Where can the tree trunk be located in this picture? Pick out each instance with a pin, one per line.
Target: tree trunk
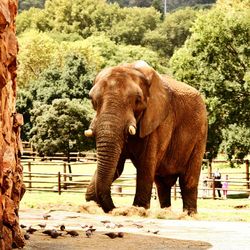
(11, 184)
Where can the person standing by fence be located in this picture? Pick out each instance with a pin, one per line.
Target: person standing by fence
(217, 184)
(225, 187)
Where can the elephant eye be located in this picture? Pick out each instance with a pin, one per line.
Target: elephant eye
(138, 100)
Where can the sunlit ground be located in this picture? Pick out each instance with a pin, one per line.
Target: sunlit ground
(208, 209)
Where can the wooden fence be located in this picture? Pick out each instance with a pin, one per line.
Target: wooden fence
(57, 176)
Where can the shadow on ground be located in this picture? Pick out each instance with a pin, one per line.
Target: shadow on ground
(100, 241)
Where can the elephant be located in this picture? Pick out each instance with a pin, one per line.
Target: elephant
(160, 124)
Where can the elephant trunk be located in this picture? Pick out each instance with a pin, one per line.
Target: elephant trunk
(109, 141)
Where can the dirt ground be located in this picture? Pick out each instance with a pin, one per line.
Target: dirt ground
(100, 241)
(139, 232)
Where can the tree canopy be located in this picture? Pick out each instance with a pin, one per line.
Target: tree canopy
(63, 44)
(216, 61)
(59, 127)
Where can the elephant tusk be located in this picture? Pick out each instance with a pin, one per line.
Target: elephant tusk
(88, 133)
(132, 130)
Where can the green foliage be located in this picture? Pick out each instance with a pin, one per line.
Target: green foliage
(59, 127)
(24, 105)
(32, 19)
(36, 51)
(216, 61)
(86, 18)
(82, 17)
(39, 51)
(158, 5)
(236, 141)
(171, 33)
(71, 81)
(112, 54)
(65, 44)
(74, 80)
(136, 21)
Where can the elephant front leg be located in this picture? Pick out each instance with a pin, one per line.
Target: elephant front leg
(144, 184)
(90, 193)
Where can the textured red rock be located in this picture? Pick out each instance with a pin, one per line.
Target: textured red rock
(11, 171)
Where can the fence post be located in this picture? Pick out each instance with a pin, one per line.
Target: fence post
(247, 174)
(59, 183)
(175, 196)
(70, 171)
(64, 176)
(209, 168)
(30, 176)
(213, 186)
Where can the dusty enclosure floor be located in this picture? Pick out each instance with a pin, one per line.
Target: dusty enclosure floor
(139, 232)
(100, 241)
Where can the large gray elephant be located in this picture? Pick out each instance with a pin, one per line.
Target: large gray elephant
(158, 123)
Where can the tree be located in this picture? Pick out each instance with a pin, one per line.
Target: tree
(82, 17)
(24, 105)
(216, 61)
(158, 5)
(59, 127)
(33, 18)
(36, 53)
(86, 18)
(236, 142)
(112, 54)
(171, 33)
(136, 21)
(72, 81)
(40, 51)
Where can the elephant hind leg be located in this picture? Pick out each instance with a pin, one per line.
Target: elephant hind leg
(190, 180)
(189, 198)
(164, 185)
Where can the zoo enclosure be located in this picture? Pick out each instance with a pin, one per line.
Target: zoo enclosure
(54, 174)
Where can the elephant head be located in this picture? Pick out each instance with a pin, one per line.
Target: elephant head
(130, 100)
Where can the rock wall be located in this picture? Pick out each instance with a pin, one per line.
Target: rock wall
(11, 184)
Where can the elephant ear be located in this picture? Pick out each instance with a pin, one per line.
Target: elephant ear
(158, 104)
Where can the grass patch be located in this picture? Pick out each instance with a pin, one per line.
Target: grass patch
(221, 210)
(236, 208)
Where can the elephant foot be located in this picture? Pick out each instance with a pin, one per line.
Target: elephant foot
(190, 211)
(90, 197)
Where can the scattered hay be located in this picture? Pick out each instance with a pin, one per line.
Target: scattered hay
(163, 214)
(168, 214)
(130, 211)
(90, 207)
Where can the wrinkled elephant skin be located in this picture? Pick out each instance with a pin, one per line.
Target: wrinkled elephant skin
(158, 123)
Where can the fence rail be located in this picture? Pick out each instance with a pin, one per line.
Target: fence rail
(60, 181)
